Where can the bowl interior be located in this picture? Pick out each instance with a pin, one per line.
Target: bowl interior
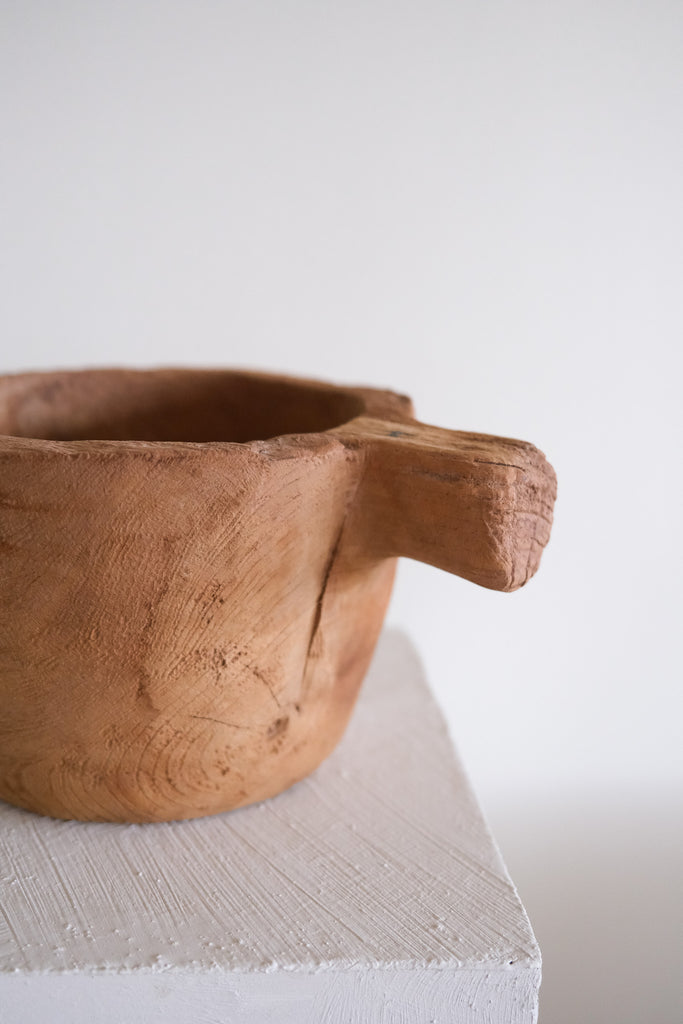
(168, 405)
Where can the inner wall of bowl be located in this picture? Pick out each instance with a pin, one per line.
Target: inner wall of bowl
(167, 405)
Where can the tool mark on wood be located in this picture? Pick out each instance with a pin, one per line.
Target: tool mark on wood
(266, 682)
(491, 462)
(219, 721)
(433, 475)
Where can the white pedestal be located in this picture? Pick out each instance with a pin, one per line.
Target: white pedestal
(371, 892)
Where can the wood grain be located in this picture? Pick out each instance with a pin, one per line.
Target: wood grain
(195, 570)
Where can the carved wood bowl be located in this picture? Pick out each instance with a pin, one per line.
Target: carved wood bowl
(195, 565)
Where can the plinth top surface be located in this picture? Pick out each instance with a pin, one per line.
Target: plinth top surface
(380, 859)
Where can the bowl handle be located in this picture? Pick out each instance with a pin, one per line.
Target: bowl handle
(475, 505)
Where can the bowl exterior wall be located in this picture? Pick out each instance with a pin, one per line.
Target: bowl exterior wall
(181, 629)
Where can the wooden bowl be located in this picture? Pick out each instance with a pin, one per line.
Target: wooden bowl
(195, 565)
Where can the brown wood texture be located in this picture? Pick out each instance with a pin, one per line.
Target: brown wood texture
(195, 566)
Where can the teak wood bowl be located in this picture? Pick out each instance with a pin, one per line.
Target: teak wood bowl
(195, 565)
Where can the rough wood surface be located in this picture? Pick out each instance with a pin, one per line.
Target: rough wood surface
(195, 569)
(370, 892)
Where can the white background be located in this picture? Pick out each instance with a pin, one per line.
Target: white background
(475, 203)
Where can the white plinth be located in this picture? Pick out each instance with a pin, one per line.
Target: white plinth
(371, 892)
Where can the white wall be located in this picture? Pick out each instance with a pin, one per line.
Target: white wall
(476, 203)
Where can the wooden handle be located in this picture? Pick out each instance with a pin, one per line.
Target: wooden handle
(474, 505)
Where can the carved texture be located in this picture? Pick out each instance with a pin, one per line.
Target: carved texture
(195, 569)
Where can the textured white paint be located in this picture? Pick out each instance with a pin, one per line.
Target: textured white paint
(369, 892)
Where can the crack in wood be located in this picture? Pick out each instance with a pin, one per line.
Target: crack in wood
(321, 596)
